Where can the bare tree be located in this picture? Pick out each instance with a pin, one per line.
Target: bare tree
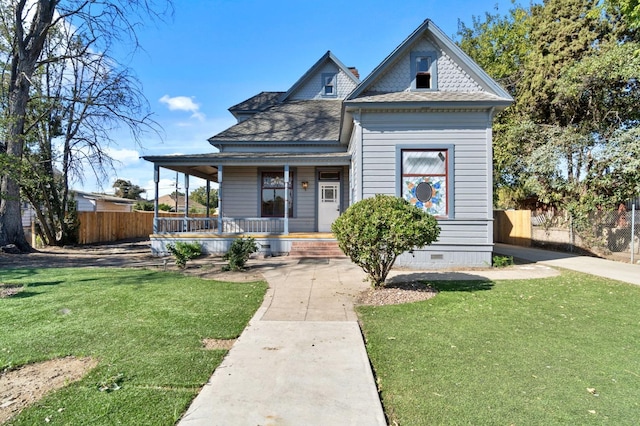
(27, 24)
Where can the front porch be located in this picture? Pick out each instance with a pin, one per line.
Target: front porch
(311, 244)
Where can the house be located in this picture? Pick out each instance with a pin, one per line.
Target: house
(92, 202)
(419, 127)
(170, 200)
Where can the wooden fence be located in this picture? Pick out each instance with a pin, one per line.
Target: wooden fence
(512, 227)
(102, 227)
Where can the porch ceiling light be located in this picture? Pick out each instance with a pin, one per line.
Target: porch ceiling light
(305, 185)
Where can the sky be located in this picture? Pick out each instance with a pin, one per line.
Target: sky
(213, 54)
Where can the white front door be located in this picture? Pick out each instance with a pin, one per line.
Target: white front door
(328, 204)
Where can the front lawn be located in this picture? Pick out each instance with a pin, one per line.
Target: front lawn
(562, 350)
(144, 327)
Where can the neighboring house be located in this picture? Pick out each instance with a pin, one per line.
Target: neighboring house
(91, 202)
(170, 200)
(419, 127)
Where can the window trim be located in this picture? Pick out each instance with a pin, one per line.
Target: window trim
(261, 173)
(331, 77)
(450, 172)
(433, 70)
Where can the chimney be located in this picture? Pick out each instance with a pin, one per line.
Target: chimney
(355, 72)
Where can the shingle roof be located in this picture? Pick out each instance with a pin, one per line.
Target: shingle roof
(256, 103)
(427, 96)
(291, 121)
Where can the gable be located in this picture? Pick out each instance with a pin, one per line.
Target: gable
(398, 76)
(327, 73)
(313, 88)
(429, 63)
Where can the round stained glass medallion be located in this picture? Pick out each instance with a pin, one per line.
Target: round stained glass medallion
(424, 192)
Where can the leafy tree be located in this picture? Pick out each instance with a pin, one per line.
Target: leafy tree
(373, 232)
(199, 195)
(125, 189)
(574, 79)
(26, 27)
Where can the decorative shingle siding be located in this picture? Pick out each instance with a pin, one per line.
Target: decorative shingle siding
(451, 78)
(313, 88)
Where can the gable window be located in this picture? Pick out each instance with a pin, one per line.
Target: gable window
(329, 85)
(272, 194)
(425, 179)
(424, 71)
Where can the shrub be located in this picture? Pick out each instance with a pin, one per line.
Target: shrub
(502, 261)
(375, 231)
(239, 253)
(184, 252)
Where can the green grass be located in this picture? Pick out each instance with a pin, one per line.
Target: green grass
(510, 353)
(144, 327)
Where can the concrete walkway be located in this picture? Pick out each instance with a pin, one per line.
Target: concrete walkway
(591, 265)
(301, 360)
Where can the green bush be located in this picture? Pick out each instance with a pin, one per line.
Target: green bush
(239, 253)
(184, 252)
(375, 231)
(502, 261)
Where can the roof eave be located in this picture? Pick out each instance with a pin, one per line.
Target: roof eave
(485, 104)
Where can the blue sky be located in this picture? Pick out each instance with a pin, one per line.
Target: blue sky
(216, 53)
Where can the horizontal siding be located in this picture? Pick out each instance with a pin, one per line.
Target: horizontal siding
(241, 195)
(466, 131)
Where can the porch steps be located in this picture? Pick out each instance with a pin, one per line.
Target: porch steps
(317, 249)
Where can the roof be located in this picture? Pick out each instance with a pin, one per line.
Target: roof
(291, 121)
(103, 197)
(257, 103)
(435, 96)
(205, 166)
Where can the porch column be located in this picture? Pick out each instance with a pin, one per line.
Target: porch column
(186, 202)
(208, 198)
(219, 198)
(286, 199)
(156, 180)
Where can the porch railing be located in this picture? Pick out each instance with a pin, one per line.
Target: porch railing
(230, 225)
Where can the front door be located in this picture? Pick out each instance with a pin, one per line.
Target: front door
(328, 204)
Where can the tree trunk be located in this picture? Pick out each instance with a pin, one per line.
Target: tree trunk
(27, 48)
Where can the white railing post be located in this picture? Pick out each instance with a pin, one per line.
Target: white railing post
(633, 231)
(286, 199)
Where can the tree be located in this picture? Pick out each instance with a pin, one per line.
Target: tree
(373, 232)
(27, 25)
(125, 189)
(199, 195)
(576, 90)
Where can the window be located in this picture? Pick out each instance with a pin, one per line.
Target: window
(424, 71)
(423, 75)
(425, 177)
(329, 85)
(272, 194)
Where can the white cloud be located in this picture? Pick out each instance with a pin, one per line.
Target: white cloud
(183, 103)
(124, 156)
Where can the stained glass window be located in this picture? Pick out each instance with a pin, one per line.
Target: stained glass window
(424, 180)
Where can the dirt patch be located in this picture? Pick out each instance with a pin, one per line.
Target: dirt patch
(213, 344)
(8, 290)
(26, 385)
(396, 293)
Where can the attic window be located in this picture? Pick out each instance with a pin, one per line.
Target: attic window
(423, 76)
(424, 71)
(329, 85)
